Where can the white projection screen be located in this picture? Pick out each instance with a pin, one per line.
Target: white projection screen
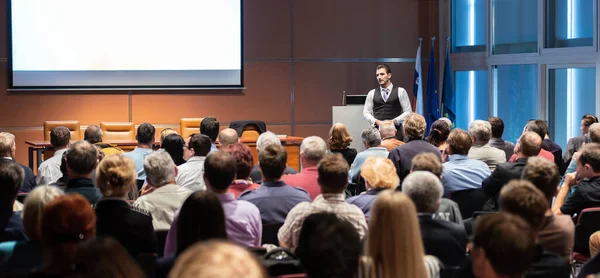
(125, 44)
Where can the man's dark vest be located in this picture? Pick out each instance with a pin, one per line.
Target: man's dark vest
(386, 110)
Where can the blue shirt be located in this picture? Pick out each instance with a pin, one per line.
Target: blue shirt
(138, 155)
(461, 173)
(275, 199)
(213, 148)
(362, 156)
(365, 200)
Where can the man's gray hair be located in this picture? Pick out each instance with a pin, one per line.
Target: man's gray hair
(594, 132)
(371, 137)
(159, 168)
(7, 144)
(313, 148)
(480, 130)
(424, 189)
(447, 120)
(387, 129)
(266, 139)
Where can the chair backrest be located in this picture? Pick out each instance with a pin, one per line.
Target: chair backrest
(147, 262)
(269, 233)
(189, 126)
(117, 131)
(469, 201)
(588, 222)
(161, 240)
(73, 126)
(248, 129)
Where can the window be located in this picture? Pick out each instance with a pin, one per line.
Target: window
(515, 26)
(468, 25)
(472, 103)
(569, 23)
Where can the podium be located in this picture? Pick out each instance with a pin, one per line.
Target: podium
(351, 116)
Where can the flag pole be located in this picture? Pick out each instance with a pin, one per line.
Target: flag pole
(432, 41)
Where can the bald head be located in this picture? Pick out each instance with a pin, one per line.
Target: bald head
(530, 144)
(227, 137)
(93, 134)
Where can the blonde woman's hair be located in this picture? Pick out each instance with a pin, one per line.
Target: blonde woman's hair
(115, 176)
(166, 132)
(394, 245)
(339, 138)
(380, 172)
(33, 208)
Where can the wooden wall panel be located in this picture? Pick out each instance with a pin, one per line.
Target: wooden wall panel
(267, 29)
(313, 130)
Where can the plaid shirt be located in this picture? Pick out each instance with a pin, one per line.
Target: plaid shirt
(333, 203)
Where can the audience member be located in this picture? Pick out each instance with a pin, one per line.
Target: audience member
(438, 134)
(129, 225)
(333, 179)
(387, 130)
(20, 257)
(174, 144)
(594, 137)
(161, 196)
(551, 146)
(328, 247)
(264, 140)
(413, 128)
(209, 126)
(93, 134)
(164, 133)
(82, 158)
(394, 247)
(64, 180)
(575, 143)
(372, 142)
(592, 266)
(379, 174)
(67, 220)
(540, 128)
(529, 145)
(445, 240)
(243, 156)
(557, 232)
(189, 174)
(461, 172)
(145, 139)
(8, 149)
(11, 179)
(49, 170)
(481, 132)
(312, 150)
(339, 142)
(104, 257)
(217, 259)
(227, 137)
(274, 198)
(496, 140)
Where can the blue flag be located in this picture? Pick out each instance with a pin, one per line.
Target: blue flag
(448, 96)
(432, 96)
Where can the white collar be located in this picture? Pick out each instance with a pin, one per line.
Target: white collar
(391, 87)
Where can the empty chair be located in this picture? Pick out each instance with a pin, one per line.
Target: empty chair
(114, 131)
(189, 126)
(248, 129)
(73, 126)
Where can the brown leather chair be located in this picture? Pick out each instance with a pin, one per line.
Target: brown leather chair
(73, 126)
(189, 126)
(250, 131)
(117, 131)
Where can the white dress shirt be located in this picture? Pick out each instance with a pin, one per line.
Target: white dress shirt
(402, 97)
(162, 203)
(190, 175)
(49, 171)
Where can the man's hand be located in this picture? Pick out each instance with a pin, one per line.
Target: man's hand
(147, 188)
(378, 123)
(572, 179)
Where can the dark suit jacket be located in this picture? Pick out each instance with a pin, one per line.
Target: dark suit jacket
(256, 175)
(556, 150)
(445, 240)
(129, 225)
(402, 155)
(29, 181)
(502, 175)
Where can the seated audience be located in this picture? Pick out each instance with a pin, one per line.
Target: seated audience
(214, 259)
(264, 140)
(413, 128)
(575, 143)
(64, 180)
(339, 142)
(496, 140)
(274, 198)
(145, 138)
(227, 137)
(557, 232)
(243, 157)
(586, 193)
(164, 133)
(49, 170)
(461, 172)
(66, 221)
(445, 240)
(481, 132)
(161, 196)
(82, 159)
(540, 128)
(551, 146)
(129, 225)
(174, 144)
(379, 174)
(388, 130)
(328, 247)
(189, 174)
(11, 179)
(372, 142)
(104, 257)
(438, 134)
(394, 247)
(529, 145)
(209, 126)
(593, 137)
(93, 134)
(333, 179)
(592, 266)
(312, 150)
(8, 150)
